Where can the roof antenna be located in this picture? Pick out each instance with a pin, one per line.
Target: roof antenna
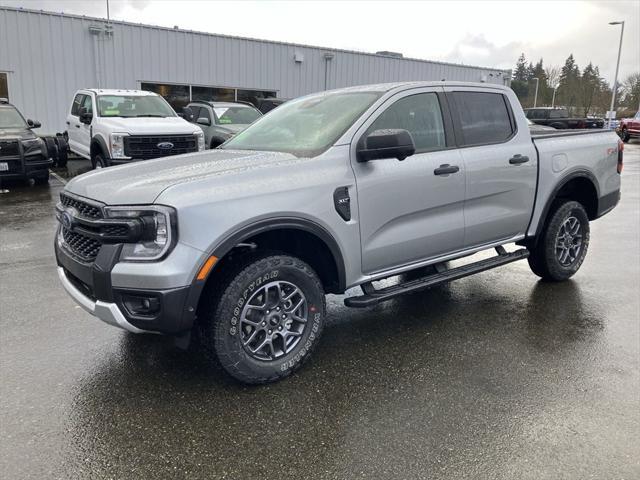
(108, 19)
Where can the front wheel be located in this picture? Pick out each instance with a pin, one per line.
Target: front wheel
(98, 161)
(563, 244)
(266, 318)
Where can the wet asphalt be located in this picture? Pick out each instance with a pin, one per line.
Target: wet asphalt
(496, 376)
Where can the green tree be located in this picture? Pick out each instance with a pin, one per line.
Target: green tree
(569, 85)
(630, 94)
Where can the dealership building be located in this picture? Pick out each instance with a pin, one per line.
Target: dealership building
(45, 57)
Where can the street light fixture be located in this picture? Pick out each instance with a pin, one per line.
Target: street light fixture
(615, 79)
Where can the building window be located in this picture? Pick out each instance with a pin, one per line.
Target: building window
(213, 94)
(4, 87)
(176, 95)
(254, 96)
(179, 96)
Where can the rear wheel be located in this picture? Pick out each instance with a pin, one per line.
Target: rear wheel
(265, 320)
(52, 149)
(625, 135)
(63, 151)
(563, 244)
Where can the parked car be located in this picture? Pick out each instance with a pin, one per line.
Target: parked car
(534, 127)
(23, 155)
(267, 104)
(111, 127)
(327, 192)
(220, 120)
(629, 128)
(558, 117)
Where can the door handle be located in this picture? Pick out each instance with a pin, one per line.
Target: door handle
(446, 169)
(518, 159)
(68, 123)
(78, 126)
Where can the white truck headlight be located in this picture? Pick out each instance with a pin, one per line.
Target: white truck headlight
(159, 235)
(117, 145)
(200, 136)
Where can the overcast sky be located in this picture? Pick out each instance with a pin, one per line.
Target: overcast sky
(485, 33)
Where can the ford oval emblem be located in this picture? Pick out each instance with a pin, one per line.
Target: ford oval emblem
(165, 145)
(67, 218)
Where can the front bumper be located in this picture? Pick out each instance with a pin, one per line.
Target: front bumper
(21, 169)
(90, 285)
(107, 312)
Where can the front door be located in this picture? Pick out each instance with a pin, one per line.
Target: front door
(407, 212)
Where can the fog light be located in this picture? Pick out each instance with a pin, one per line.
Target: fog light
(140, 305)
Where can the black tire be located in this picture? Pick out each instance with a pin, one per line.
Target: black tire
(42, 179)
(625, 136)
(225, 326)
(545, 258)
(52, 149)
(99, 161)
(215, 143)
(63, 151)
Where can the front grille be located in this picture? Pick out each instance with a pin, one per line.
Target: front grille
(9, 148)
(85, 209)
(83, 247)
(145, 147)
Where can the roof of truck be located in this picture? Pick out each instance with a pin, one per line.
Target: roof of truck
(385, 87)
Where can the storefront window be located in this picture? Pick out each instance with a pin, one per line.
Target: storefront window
(254, 96)
(179, 96)
(213, 94)
(4, 87)
(176, 95)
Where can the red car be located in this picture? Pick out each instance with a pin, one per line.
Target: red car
(629, 128)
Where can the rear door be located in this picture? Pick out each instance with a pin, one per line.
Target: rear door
(407, 212)
(500, 162)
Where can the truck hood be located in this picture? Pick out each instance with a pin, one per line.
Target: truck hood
(142, 182)
(16, 134)
(149, 125)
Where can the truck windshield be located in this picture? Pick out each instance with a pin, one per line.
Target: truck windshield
(305, 127)
(236, 115)
(10, 118)
(133, 106)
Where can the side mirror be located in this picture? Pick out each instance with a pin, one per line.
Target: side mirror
(203, 121)
(187, 114)
(33, 123)
(85, 116)
(390, 143)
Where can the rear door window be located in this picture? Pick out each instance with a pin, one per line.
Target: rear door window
(484, 117)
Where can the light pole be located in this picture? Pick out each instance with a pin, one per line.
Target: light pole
(535, 98)
(553, 100)
(615, 79)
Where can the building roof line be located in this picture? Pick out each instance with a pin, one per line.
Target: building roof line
(234, 37)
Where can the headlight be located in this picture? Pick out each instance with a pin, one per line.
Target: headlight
(117, 145)
(200, 136)
(33, 146)
(159, 231)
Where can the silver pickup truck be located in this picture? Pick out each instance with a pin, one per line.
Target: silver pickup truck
(330, 191)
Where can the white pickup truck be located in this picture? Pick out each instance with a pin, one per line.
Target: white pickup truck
(111, 127)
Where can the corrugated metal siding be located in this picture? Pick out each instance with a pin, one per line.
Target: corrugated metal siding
(49, 56)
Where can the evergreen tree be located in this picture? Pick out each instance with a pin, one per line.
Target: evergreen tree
(569, 87)
(520, 73)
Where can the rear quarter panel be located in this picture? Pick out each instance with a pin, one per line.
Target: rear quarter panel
(561, 158)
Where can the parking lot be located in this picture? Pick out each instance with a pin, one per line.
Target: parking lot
(494, 376)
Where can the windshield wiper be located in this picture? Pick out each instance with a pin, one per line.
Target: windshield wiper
(149, 115)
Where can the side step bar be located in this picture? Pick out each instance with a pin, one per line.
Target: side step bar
(372, 296)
